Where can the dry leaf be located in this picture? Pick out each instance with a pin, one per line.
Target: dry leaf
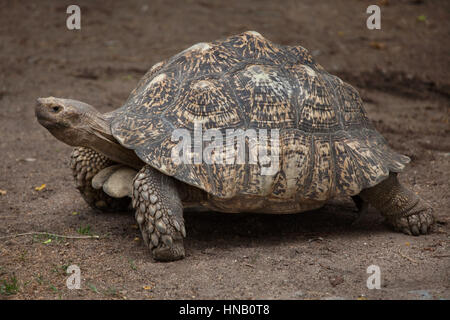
(377, 45)
(42, 187)
(2, 192)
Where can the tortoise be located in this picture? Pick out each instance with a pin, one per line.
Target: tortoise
(324, 146)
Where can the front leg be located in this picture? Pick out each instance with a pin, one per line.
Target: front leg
(159, 214)
(85, 164)
(403, 209)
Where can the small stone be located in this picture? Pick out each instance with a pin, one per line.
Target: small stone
(183, 231)
(299, 294)
(153, 199)
(151, 228)
(152, 209)
(158, 214)
(145, 187)
(145, 195)
(169, 212)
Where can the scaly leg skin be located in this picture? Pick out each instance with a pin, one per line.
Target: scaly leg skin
(159, 214)
(85, 164)
(403, 209)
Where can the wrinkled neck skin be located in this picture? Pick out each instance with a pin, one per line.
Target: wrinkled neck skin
(98, 136)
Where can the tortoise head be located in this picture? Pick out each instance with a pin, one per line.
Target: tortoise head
(80, 125)
(70, 121)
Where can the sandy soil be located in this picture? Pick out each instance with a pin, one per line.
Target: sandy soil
(400, 70)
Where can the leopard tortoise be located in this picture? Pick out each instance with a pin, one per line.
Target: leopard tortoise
(243, 84)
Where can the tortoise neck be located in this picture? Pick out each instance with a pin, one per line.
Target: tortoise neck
(100, 138)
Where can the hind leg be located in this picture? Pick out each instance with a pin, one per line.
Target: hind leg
(85, 164)
(403, 209)
(159, 213)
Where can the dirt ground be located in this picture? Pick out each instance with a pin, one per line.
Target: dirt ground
(402, 72)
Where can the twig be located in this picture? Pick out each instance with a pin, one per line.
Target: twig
(441, 256)
(406, 257)
(49, 234)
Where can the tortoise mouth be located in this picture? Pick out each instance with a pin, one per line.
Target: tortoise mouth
(48, 123)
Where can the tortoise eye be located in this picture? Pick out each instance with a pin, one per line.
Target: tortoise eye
(56, 109)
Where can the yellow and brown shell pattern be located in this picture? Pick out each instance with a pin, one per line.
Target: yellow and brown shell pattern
(327, 146)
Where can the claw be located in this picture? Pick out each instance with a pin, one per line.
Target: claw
(424, 229)
(406, 231)
(416, 224)
(415, 230)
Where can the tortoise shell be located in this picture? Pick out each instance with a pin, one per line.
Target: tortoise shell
(327, 145)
